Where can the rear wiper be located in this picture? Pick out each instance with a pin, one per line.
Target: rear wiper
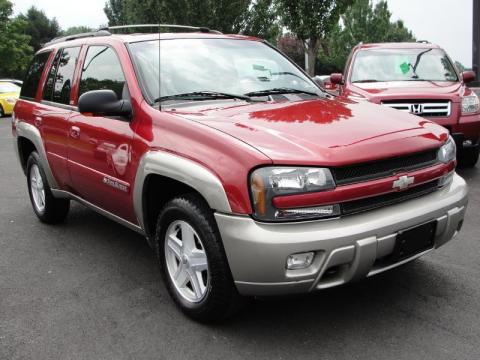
(202, 95)
(365, 81)
(280, 91)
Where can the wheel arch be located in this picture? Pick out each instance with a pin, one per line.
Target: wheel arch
(161, 176)
(28, 135)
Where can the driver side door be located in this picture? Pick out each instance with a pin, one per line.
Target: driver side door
(99, 148)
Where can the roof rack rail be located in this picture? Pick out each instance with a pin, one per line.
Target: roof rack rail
(101, 32)
(172, 26)
(423, 41)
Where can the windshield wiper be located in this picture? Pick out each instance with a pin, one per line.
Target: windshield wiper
(202, 95)
(365, 81)
(280, 91)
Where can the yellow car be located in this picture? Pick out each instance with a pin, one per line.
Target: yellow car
(9, 94)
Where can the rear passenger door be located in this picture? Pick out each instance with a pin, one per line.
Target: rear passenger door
(52, 114)
(99, 154)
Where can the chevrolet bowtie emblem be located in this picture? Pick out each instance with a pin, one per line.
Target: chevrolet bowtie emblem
(403, 182)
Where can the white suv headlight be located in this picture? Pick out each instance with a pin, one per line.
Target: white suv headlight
(448, 151)
(470, 104)
(268, 182)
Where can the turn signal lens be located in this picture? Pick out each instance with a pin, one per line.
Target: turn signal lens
(258, 192)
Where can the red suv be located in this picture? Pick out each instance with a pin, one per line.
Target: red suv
(421, 79)
(245, 177)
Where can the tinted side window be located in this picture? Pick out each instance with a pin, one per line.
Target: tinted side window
(102, 70)
(33, 75)
(48, 88)
(64, 78)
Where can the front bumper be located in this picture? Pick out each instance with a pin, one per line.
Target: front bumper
(345, 249)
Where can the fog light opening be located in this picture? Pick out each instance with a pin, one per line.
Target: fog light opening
(300, 260)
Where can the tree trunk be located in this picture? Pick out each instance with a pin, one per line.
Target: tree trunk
(311, 60)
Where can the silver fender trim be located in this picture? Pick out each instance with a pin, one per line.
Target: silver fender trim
(31, 133)
(183, 170)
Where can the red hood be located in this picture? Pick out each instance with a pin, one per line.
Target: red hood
(378, 91)
(321, 132)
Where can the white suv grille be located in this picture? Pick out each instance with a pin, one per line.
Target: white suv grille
(426, 108)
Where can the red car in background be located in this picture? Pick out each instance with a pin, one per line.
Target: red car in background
(419, 78)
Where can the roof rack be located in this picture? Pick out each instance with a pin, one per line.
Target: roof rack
(101, 32)
(423, 41)
(157, 26)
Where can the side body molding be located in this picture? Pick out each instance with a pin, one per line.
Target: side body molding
(30, 132)
(183, 170)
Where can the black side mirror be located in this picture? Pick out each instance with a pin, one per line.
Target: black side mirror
(104, 103)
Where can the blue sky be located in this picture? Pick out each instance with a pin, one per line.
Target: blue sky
(445, 22)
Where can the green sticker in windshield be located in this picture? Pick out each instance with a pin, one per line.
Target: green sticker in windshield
(405, 67)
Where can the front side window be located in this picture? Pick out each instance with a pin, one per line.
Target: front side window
(33, 75)
(377, 65)
(178, 66)
(102, 70)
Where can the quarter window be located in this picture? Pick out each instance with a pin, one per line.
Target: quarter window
(33, 75)
(102, 70)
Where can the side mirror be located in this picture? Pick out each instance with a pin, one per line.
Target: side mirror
(336, 78)
(104, 103)
(468, 76)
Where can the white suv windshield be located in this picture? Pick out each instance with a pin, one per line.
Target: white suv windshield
(402, 65)
(214, 65)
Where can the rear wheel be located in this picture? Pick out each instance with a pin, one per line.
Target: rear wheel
(48, 209)
(469, 157)
(193, 262)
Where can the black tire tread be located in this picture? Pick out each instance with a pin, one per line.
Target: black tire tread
(56, 210)
(223, 301)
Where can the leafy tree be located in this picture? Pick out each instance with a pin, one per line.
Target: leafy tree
(361, 22)
(40, 28)
(262, 21)
(76, 30)
(251, 17)
(311, 21)
(15, 51)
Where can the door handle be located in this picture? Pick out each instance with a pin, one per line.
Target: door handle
(75, 132)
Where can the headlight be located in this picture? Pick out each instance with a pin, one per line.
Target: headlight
(470, 104)
(11, 100)
(448, 151)
(268, 182)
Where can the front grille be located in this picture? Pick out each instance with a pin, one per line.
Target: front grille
(424, 108)
(383, 168)
(374, 202)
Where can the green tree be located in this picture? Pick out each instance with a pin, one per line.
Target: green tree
(15, 51)
(40, 28)
(76, 30)
(362, 22)
(262, 21)
(311, 21)
(252, 17)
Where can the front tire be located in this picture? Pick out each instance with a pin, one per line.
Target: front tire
(2, 112)
(469, 157)
(48, 209)
(193, 262)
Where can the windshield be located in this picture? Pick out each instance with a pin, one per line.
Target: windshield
(402, 65)
(215, 65)
(8, 88)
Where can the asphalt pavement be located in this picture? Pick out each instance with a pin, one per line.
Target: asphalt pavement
(90, 289)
